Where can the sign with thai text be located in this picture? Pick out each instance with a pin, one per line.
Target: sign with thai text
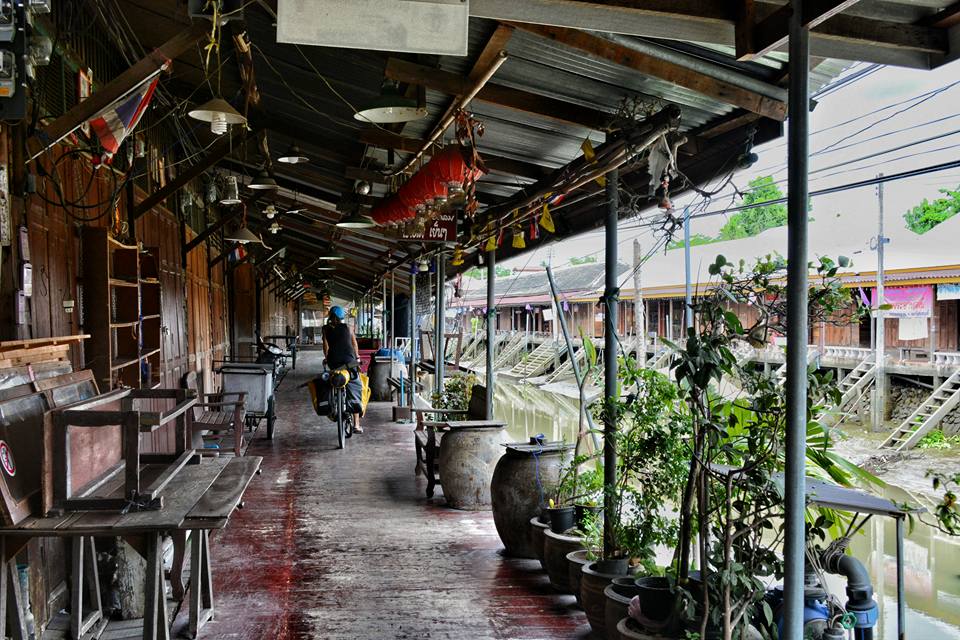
(442, 228)
(948, 292)
(906, 302)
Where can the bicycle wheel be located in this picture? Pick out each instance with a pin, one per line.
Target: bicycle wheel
(341, 421)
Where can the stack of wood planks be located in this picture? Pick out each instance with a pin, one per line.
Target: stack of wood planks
(21, 353)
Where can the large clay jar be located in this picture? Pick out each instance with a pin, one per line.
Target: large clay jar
(576, 561)
(592, 597)
(468, 456)
(556, 546)
(537, 531)
(628, 629)
(618, 594)
(515, 494)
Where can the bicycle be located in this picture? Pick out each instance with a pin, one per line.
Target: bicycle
(339, 413)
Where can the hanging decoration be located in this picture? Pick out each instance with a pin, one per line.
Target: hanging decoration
(546, 220)
(587, 147)
(449, 174)
(457, 256)
(518, 242)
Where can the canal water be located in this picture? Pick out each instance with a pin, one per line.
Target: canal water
(931, 559)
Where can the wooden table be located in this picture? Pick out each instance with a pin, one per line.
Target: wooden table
(199, 499)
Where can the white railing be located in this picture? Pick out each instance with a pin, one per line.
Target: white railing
(847, 353)
(946, 358)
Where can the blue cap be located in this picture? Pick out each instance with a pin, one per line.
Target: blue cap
(338, 312)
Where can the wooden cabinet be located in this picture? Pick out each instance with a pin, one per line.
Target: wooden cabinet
(121, 311)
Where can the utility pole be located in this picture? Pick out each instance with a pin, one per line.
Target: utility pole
(688, 295)
(880, 377)
(639, 313)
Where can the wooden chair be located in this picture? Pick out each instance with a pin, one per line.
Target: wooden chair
(428, 433)
(214, 413)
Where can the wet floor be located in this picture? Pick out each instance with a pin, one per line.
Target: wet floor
(932, 559)
(343, 545)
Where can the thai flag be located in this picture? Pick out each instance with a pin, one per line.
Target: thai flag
(114, 123)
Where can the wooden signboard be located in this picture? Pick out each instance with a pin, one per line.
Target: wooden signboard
(21, 454)
(443, 228)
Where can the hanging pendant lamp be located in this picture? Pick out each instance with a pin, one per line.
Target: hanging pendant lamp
(263, 182)
(231, 192)
(356, 221)
(243, 235)
(219, 114)
(330, 254)
(391, 107)
(293, 156)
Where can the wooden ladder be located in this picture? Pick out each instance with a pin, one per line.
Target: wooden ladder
(927, 416)
(538, 361)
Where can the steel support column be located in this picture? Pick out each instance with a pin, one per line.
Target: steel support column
(491, 327)
(797, 296)
(413, 334)
(439, 361)
(610, 297)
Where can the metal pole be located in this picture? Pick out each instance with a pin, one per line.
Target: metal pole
(901, 590)
(439, 359)
(413, 333)
(491, 327)
(880, 351)
(639, 312)
(570, 354)
(797, 295)
(610, 297)
(688, 294)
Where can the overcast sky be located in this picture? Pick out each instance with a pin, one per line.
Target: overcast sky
(838, 115)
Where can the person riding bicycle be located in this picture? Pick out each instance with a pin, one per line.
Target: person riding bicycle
(341, 350)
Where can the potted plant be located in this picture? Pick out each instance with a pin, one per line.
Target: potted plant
(651, 444)
(730, 497)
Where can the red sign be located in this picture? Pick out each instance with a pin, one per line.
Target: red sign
(6, 459)
(443, 228)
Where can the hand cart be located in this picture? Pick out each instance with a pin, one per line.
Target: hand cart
(257, 382)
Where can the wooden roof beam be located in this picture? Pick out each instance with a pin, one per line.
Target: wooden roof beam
(217, 152)
(679, 75)
(757, 39)
(496, 164)
(115, 89)
(712, 21)
(454, 84)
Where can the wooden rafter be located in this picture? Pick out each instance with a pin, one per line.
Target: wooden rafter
(495, 164)
(852, 37)
(115, 89)
(668, 71)
(454, 84)
(217, 152)
(755, 39)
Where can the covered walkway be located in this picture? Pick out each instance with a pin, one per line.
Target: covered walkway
(342, 544)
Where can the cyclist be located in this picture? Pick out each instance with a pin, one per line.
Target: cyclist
(340, 349)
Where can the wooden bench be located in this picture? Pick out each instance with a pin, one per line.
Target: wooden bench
(214, 413)
(428, 433)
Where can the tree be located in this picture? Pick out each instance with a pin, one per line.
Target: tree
(695, 239)
(583, 260)
(502, 272)
(476, 274)
(927, 215)
(752, 221)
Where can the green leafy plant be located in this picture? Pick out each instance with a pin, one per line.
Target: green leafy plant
(947, 511)
(750, 222)
(730, 497)
(456, 392)
(937, 439)
(651, 466)
(927, 215)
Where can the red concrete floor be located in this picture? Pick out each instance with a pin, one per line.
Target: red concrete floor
(343, 544)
